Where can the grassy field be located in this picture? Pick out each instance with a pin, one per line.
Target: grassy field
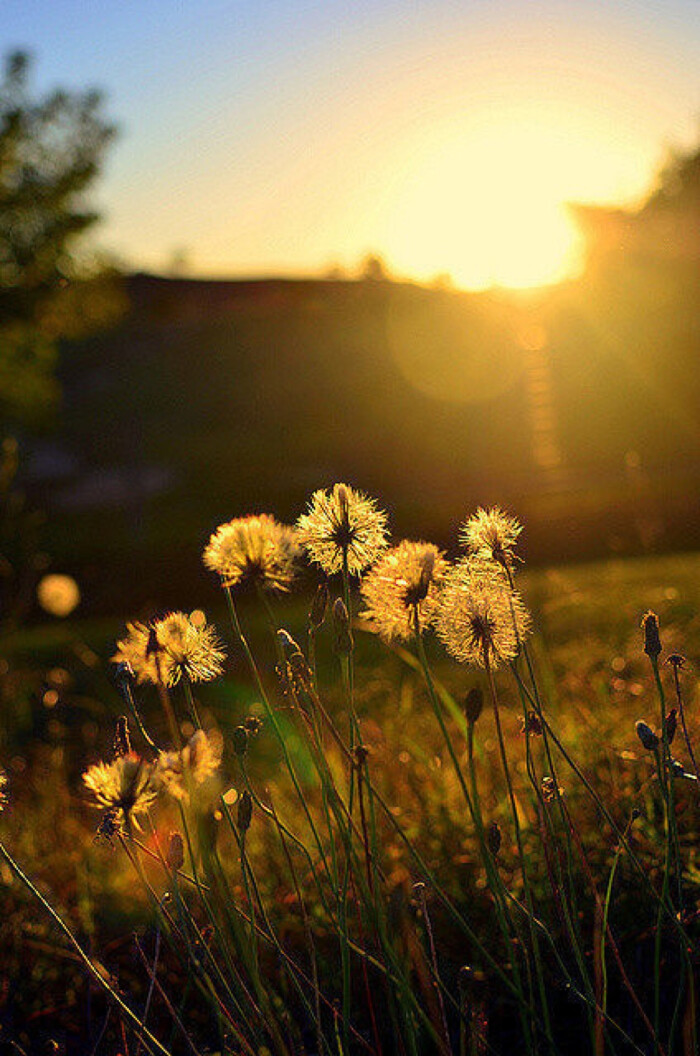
(374, 957)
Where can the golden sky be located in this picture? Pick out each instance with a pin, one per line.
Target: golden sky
(279, 137)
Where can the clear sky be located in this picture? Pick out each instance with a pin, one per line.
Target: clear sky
(284, 136)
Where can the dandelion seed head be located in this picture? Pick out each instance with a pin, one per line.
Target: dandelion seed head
(343, 521)
(171, 649)
(124, 787)
(401, 591)
(198, 761)
(491, 534)
(256, 549)
(480, 617)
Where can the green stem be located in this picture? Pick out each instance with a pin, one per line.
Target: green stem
(150, 1042)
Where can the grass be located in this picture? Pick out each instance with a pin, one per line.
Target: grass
(400, 900)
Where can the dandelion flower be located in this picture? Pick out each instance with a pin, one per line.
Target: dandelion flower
(192, 766)
(343, 523)
(257, 550)
(124, 788)
(401, 591)
(170, 649)
(491, 534)
(3, 794)
(481, 620)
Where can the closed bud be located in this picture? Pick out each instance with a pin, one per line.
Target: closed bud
(473, 705)
(319, 607)
(647, 736)
(652, 642)
(176, 852)
(340, 614)
(493, 838)
(344, 644)
(240, 741)
(123, 675)
(122, 740)
(670, 725)
(245, 811)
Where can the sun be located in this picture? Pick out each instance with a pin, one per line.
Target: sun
(489, 208)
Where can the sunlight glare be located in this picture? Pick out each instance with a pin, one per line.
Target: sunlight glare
(489, 208)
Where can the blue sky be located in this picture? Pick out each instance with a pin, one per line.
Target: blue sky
(283, 137)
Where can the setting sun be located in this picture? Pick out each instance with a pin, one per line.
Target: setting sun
(488, 204)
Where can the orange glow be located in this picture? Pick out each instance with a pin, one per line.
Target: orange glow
(488, 203)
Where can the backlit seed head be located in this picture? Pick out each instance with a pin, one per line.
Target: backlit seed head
(255, 550)
(182, 772)
(340, 525)
(125, 787)
(491, 534)
(170, 649)
(401, 591)
(480, 619)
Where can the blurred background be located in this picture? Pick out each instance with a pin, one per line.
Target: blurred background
(448, 253)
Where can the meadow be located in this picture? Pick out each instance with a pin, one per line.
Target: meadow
(338, 838)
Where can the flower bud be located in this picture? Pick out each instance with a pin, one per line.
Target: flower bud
(122, 740)
(245, 811)
(344, 644)
(670, 725)
(647, 736)
(652, 642)
(493, 838)
(176, 852)
(473, 705)
(319, 607)
(240, 741)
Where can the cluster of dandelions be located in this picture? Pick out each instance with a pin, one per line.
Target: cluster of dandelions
(126, 788)
(406, 590)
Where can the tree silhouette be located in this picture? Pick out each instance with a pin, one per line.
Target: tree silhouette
(51, 150)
